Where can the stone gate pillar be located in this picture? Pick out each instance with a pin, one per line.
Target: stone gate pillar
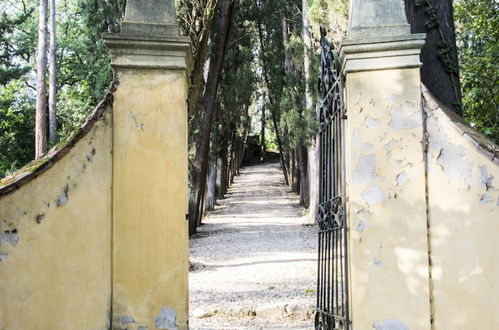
(390, 281)
(150, 233)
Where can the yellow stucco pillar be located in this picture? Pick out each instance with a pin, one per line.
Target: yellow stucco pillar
(150, 233)
(387, 207)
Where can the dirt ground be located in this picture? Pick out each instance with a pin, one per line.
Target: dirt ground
(253, 262)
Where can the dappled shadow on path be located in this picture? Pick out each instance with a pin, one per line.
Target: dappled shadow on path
(253, 250)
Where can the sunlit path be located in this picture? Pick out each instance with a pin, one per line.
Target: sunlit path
(253, 262)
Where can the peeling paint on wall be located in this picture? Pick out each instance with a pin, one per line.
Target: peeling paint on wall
(452, 160)
(402, 178)
(361, 226)
(91, 155)
(389, 147)
(3, 256)
(63, 197)
(9, 237)
(166, 319)
(485, 199)
(371, 122)
(392, 98)
(139, 124)
(404, 117)
(39, 218)
(486, 179)
(390, 325)
(378, 262)
(125, 321)
(358, 143)
(365, 171)
(373, 195)
(450, 157)
(460, 185)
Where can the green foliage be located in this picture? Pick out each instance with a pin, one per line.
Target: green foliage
(16, 126)
(17, 37)
(431, 13)
(477, 24)
(238, 82)
(84, 71)
(332, 14)
(445, 50)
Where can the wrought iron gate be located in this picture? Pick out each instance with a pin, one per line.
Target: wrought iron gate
(332, 279)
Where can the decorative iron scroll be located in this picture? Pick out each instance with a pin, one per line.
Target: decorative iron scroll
(332, 311)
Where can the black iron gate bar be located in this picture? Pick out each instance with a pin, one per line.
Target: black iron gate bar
(332, 277)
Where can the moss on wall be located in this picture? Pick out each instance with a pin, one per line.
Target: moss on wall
(55, 264)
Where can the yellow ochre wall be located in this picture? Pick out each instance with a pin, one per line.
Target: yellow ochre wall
(55, 241)
(150, 259)
(100, 235)
(463, 194)
(386, 201)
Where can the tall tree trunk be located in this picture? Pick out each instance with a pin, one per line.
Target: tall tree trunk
(262, 141)
(244, 140)
(294, 172)
(314, 178)
(288, 153)
(233, 148)
(240, 153)
(288, 58)
(273, 105)
(41, 86)
(200, 59)
(440, 71)
(300, 182)
(211, 189)
(229, 159)
(52, 76)
(296, 166)
(203, 144)
(302, 165)
(219, 179)
(313, 150)
(223, 158)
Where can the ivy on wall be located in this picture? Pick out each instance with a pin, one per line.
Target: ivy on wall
(445, 47)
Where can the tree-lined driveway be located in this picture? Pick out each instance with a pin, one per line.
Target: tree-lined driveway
(253, 262)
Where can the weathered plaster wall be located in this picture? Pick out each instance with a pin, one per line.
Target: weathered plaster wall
(55, 241)
(463, 195)
(386, 201)
(102, 220)
(150, 259)
(95, 236)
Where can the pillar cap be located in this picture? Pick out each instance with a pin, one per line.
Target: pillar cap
(149, 52)
(379, 38)
(382, 53)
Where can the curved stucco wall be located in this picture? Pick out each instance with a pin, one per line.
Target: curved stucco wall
(55, 238)
(463, 203)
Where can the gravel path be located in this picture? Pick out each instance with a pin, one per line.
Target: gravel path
(253, 262)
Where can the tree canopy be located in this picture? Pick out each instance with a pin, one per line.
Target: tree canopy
(268, 71)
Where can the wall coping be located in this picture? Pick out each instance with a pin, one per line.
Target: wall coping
(481, 143)
(36, 167)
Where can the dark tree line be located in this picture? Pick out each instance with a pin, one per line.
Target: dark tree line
(254, 78)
